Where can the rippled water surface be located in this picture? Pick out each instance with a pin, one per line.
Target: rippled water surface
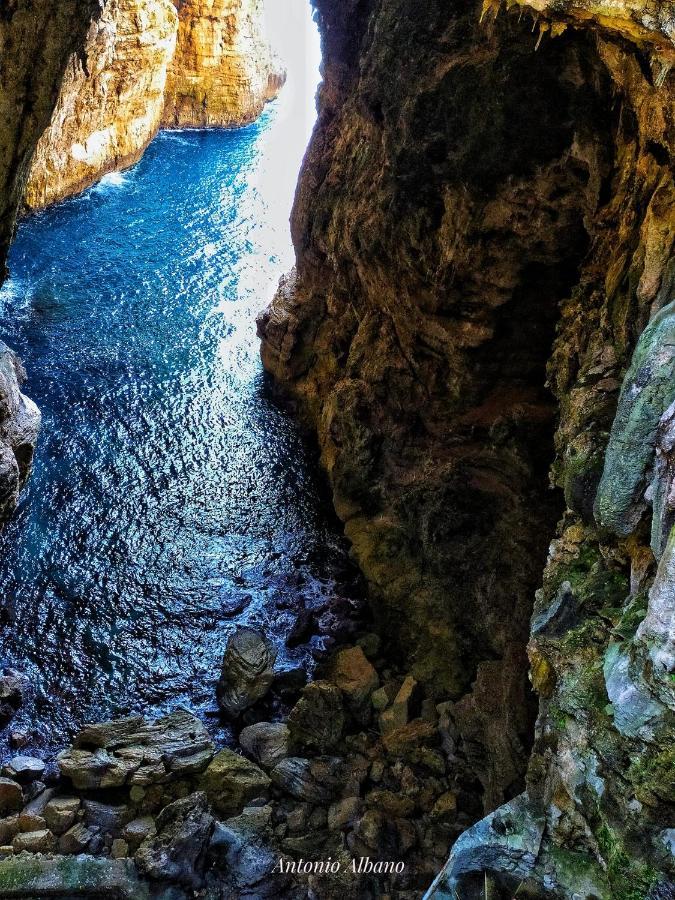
(168, 487)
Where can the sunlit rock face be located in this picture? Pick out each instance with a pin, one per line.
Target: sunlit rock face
(223, 71)
(111, 100)
(483, 231)
(36, 40)
(144, 63)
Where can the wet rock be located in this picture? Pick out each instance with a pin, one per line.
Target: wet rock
(267, 742)
(354, 675)
(108, 818)
(509, 841)
(397, 714)
(177, 852)
(24, 769)
(81, 876)
(239, 846)
(75, 840)
(60, 813)
(133, 751)
(11, 690)
(231, 781)
(289, 682)
(315, 780)
(138, 830)
(317, 720)
(34, 842)
(656, 633)
(247, 671)
(11, 796)
(560, 616)
(303, 629)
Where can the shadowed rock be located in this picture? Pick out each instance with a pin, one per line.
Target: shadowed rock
(247, 672)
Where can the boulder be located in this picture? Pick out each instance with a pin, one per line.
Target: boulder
(138, 830)
(317, 720)
(397, 714)
(315, 780)
(408, 737)
(135, 752)
(355, 675)
(24, 769)
(11, 796)
(240, 850)
(34, 841)
(177, 852)
(231, 781)
(266, 742)
(60, 813)
(11, 696)
(30, 822)
(247, 671)
(344, 813)
(75, 840)
(111, 819)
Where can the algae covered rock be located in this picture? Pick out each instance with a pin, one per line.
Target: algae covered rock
(647, 392)
(231, 780)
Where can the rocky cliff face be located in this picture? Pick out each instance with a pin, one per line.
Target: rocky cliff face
(36, 40)
(484, 230)
(111, 101)
(223, 71)
(146, 63)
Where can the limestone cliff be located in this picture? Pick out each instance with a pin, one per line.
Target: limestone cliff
(144, 64)
(223, 71)
(484, 227)
(36, 40)
(111, 100)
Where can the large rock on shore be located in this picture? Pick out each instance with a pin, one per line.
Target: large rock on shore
(247, 672)
(136, 752)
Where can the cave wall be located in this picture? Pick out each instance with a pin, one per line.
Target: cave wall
(111, 100)
(484, 228)
(148, 63)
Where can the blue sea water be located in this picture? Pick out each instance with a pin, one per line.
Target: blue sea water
(168, 486)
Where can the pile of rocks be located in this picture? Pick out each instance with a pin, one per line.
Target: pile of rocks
(362, 767)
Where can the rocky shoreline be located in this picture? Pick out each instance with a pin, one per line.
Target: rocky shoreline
(357, 791)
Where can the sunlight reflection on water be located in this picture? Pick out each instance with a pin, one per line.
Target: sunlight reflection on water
(168, 486)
